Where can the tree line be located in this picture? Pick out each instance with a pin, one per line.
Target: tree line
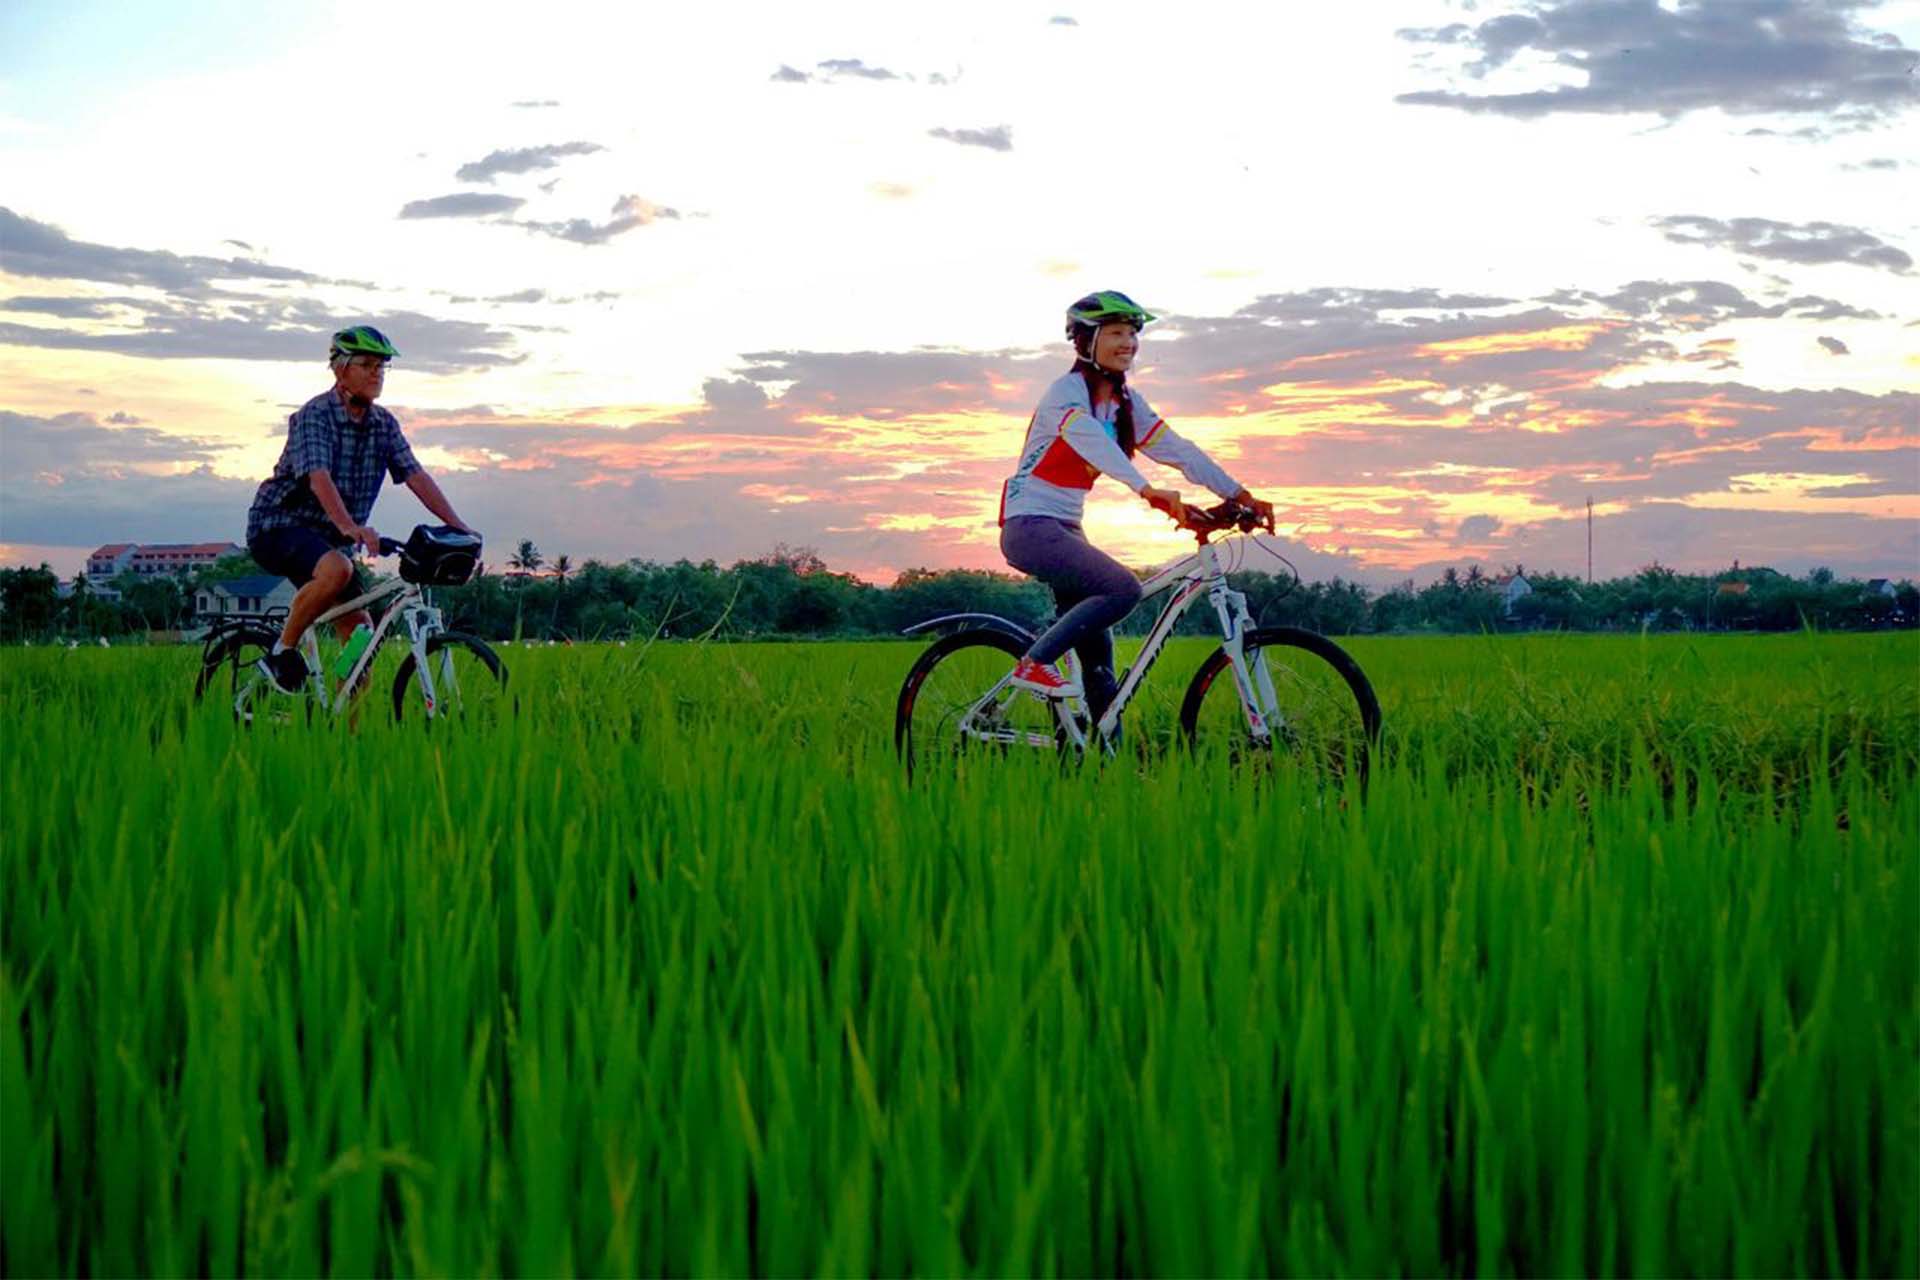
(792, 593)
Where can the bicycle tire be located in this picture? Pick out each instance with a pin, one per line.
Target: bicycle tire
(1330, 717)
(471, 693)
(230, 651)
(949, 679)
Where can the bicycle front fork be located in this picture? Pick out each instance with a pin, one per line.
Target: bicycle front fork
(1251, 679)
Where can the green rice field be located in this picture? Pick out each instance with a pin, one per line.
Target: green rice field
(1613, 968)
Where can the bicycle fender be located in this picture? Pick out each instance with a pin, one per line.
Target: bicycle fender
(948, 623)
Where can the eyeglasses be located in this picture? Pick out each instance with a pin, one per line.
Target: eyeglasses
(377, 363)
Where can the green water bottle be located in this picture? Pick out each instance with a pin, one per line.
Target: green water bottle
(356, 645)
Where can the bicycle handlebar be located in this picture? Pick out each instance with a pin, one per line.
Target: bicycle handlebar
(1221, 518)
(390, 546)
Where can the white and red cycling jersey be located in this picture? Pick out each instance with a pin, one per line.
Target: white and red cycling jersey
(1069, 445)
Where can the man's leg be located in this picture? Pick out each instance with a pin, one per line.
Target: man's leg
(344, 624)
(357, 585)
(331, 573)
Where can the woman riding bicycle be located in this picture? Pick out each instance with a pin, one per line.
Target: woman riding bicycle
(1089, 423)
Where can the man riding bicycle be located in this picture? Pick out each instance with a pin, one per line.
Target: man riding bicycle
(308, 515)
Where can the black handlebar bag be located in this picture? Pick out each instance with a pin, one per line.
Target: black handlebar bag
(439, 556)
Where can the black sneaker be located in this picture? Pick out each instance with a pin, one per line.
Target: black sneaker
(286, 671)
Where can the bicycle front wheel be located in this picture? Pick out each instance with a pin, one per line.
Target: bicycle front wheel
(956, 702)
(465, 680)
(1322, 713)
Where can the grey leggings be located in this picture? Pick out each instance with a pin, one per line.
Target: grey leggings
(1091, 589)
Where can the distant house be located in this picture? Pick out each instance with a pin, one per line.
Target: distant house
(150, 558)
(1883, 587)
(98, 587)
(111, 560)
(180, 557)
(1512, 587)
(242, 595)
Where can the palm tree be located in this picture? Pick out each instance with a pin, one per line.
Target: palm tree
(77, 603)
(562, 566)
(526, 558)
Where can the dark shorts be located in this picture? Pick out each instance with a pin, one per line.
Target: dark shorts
(293, 553)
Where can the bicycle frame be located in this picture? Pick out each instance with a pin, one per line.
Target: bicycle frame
(1188, 579)
(423, 621)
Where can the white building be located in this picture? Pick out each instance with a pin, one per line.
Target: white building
(257, 594)
(150, 558)
(110, 561)
(1512, 587)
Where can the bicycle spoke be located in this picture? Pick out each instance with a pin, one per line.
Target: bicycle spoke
(957, 703)
(464, 681)
(1310, 711)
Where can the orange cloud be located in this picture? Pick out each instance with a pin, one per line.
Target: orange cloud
(1832, 440)
(1566, 337)
(1319, 392)
(1798, 492)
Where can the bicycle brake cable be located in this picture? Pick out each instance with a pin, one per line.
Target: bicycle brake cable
(1293, 576)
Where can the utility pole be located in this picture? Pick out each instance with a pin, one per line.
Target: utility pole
(1589, 539)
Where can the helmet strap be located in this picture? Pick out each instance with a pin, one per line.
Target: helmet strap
(1093, 347)
(1085, 356)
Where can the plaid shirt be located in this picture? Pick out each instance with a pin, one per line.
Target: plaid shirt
(357, 455)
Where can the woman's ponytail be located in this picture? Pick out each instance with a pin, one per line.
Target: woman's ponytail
(1094, 375)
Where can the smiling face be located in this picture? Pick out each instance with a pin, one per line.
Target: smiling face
(1115, 345)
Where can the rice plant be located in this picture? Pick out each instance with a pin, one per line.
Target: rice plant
(1611, 968)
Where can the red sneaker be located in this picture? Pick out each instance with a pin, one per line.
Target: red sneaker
(1044, 679)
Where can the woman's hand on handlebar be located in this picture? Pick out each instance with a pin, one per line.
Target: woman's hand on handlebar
(1166, 500)
(1258, 506)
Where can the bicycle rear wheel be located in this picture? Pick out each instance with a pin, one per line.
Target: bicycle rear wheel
(228, 671)
(955, 702)
(469, 682)
(228, 662)
(1324, 714)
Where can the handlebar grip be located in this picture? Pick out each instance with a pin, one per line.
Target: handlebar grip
(390, 546)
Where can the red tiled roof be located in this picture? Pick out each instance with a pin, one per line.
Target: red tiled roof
(187, 548)
(111, 549)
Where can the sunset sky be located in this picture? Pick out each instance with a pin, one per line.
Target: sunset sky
(691, 281)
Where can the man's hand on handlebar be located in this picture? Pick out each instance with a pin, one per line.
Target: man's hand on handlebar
(364, 535)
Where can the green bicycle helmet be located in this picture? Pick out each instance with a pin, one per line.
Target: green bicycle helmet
(361, 340)
(1086, 316)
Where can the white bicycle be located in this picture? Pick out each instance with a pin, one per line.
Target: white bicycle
(1291, 690)
(448, 673)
